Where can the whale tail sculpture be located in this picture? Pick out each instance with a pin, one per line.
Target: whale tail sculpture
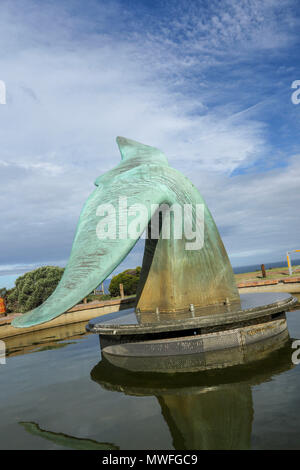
(176, 272)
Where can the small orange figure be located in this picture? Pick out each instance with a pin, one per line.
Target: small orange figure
(2, 305)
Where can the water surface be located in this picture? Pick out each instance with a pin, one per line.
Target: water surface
(59, 394)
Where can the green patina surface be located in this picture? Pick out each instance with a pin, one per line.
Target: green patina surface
(172, 277)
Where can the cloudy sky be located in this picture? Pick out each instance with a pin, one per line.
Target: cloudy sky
(208, 82)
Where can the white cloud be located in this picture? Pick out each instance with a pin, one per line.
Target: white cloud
(73, 88)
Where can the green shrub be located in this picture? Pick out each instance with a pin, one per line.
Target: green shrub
(33, 288)
(11, 300)
(100, 297)
(129, 279)
(105, 297)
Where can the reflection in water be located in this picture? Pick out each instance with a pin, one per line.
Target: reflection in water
(210, 409)
(219, 418)
(50, 337)
(64, 440)
(203, 410)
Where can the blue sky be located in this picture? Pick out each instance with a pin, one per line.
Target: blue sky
(209, 83)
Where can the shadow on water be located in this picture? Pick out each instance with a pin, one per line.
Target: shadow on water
(65, 440)
(210, 409)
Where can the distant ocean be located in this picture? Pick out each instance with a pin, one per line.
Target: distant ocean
(257, 267)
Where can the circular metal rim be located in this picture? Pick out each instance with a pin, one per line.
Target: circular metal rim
(197, 322)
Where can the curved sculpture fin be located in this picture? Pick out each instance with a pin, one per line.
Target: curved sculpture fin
(130, 149)
(172, 277)
(93, 259)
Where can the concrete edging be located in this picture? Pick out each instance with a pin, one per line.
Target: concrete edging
(77, 314)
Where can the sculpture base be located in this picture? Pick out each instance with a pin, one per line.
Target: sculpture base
(218, 339)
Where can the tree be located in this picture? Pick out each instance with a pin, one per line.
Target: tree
(3, 292)
(129, 278)
(33, 288)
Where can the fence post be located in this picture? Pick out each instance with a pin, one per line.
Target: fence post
(121, 291)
